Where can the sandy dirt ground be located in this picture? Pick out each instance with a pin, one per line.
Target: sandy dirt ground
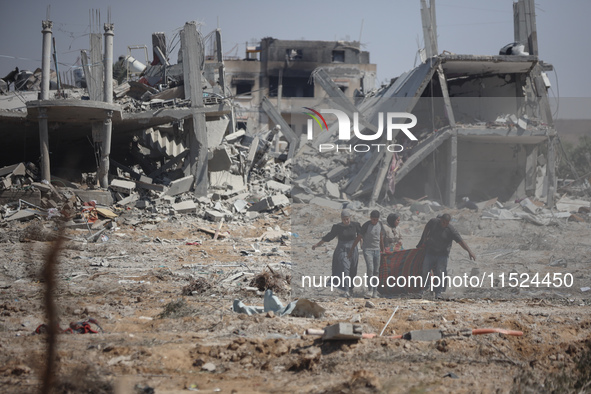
(162, 292)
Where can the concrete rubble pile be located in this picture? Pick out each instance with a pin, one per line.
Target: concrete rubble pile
(244, 181)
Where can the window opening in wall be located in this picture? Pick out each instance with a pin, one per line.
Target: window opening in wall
(293, 54)
(243, 89)
(338, 56)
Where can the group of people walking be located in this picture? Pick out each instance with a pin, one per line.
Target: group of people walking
(377, 239)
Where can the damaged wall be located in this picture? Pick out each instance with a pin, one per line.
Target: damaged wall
(506, 97)
(489, 170)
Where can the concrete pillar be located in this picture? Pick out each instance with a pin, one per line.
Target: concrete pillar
(551, 172)
(108, 62)
(44, 144)
(452, 171)
(45, 75)
(46, 59)
(196, 126)
(103, 173)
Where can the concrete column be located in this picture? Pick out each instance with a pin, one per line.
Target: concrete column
(551, 172)
(45, 72)
(196, 126)
(108, 62)
(46, 60)
(103, 172)
(44, 145)
(452, 171)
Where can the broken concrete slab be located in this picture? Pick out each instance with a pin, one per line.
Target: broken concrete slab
(281, 187)
(15, 169)
(251, 215)
(276, 201)
(122, 186)
(226, 180)
(150, 186)
(262, 205)
(279, 201)
(323, 202)
(214, 216)
(5, 183)
(22, 215)
(337, 173)
(332, 189)
(240, 205)
(188, 206)
(216, 129)
(180, 186)
(30, 196)
(129, 199)
(303, 198)
(101, 197)
(234, 137)
(220, 161)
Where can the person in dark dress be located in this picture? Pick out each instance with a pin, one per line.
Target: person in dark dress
(343, 264)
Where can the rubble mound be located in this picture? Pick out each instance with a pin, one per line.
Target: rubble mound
(272, 280)
(36, 232)
(197, 286)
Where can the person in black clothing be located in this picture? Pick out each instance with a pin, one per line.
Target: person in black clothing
(343, 264)
(437, 238)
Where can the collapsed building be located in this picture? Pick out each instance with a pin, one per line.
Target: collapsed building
(484, 124)
(484, 127)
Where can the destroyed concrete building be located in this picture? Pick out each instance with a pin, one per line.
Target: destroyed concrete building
(484, 124)
(280, 70)
(484, 127)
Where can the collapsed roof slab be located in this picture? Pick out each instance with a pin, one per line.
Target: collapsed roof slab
(72, 110)
(463, 65)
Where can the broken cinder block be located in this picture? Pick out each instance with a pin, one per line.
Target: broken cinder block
(121, 186)
(342, 331)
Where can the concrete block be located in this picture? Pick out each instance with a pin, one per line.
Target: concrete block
(179, 186)
(279, 201)
(323, 202)
(262, 205)
(251, 215)
(121, 186)
(232, 138)
(6, 183)
(240, 205)
(150, 186)
(129, 199)
(281, 187)
(15, 169)
(303, 198)
(221, 160)
(332, 189)
(337, 173)
(226, 180)
(203, 200)
(216, 129)
(22, 215)
(143, 204)
(528, 206)
(424, 335)
(188, 206)
(30, 196)
(342, 331)
(214, 216)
